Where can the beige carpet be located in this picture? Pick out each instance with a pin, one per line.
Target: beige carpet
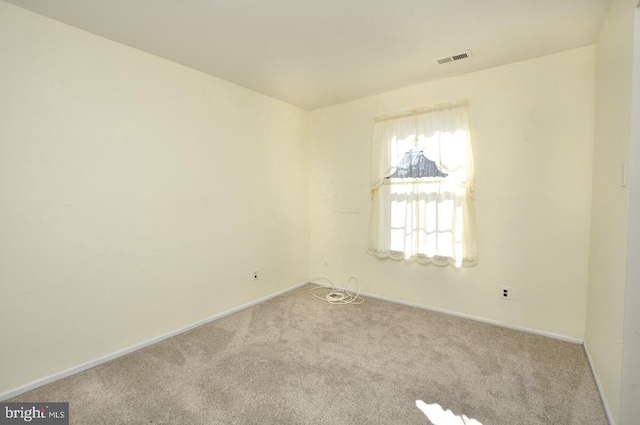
(297, 360)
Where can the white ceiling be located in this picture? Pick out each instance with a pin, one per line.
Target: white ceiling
(315, 53)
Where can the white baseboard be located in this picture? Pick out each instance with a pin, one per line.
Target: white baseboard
(76, 369)
(602, 396)
(492, 322)
(461, 315)
(93, 363)
(504, 325)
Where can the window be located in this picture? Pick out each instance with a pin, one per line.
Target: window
(422, 193)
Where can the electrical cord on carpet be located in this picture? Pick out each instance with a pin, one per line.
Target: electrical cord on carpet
(337, 295)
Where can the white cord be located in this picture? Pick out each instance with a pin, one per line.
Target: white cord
(338, 296)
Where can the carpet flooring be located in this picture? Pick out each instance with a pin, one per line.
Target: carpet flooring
(297, 360)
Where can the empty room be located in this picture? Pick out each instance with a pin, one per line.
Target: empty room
(320, 212)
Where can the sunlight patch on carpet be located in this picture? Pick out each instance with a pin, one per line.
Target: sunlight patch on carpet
(438, 416)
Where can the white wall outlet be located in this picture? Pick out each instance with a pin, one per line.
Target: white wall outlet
(505, 292)
(255, 274)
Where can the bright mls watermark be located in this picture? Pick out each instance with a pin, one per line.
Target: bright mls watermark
(34, 413)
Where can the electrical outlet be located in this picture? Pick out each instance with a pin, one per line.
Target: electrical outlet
(255, 274)
(505, 292)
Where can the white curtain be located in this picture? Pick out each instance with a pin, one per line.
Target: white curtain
(427, 219)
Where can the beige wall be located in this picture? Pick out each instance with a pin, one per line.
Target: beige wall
(136, 196)
(610, 203)
(630, 380)
(630, 376)
(532, 130)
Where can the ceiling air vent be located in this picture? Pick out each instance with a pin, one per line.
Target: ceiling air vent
(453, 58)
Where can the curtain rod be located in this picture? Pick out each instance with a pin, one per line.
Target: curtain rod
(419, 111)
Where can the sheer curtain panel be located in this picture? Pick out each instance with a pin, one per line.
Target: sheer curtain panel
(422, 188)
